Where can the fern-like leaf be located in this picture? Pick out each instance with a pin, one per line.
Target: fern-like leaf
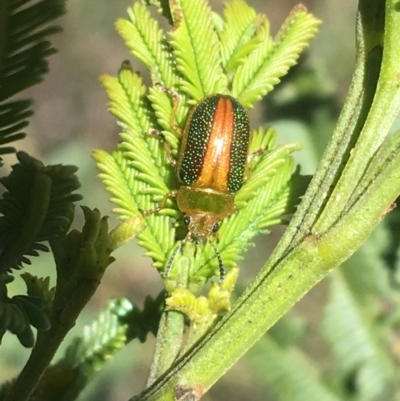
(87, 354)
(23, 55)
(142, 322)
(271, 59)
(147, 42)
(289, 374)
(237, 35)
(136, 167)
(349, 328)
(19, 313)
(38, 206)
(196, 48)
(39, 287)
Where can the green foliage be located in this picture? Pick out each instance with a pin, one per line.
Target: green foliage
(87, 354)
(19, 313)
(349, 351)
(196, 49)
(288, 374)
(202, 311)
(23, 53)
(142, 322)
(358, 324)
(355, 342)
(39, 287)
(38, 206)
(83, 255)
(119, 323)
(237, 34)
(148, 43)
(198, 57)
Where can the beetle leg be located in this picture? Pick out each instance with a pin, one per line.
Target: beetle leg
(155, 133)
(170, 194)
(252, 155)
(171, 259)
(249, 163)
(220, 264)
(176, 102)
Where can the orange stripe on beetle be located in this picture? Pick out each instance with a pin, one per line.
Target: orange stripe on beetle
(216, 164)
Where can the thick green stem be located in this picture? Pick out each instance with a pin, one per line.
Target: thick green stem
(170, 332)
(40, 358)
(384, 109)
(168, 344)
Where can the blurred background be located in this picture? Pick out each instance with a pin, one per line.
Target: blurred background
(71, 119)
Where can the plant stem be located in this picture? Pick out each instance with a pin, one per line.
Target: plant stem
(170, 332)
(49, 341)
(168, 344)
(40, 358)
(384, 109)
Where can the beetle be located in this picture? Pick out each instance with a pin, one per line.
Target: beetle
(210, 168)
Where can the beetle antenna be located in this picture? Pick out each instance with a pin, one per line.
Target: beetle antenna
(220, 264)
(179, 247)
(171, 259)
